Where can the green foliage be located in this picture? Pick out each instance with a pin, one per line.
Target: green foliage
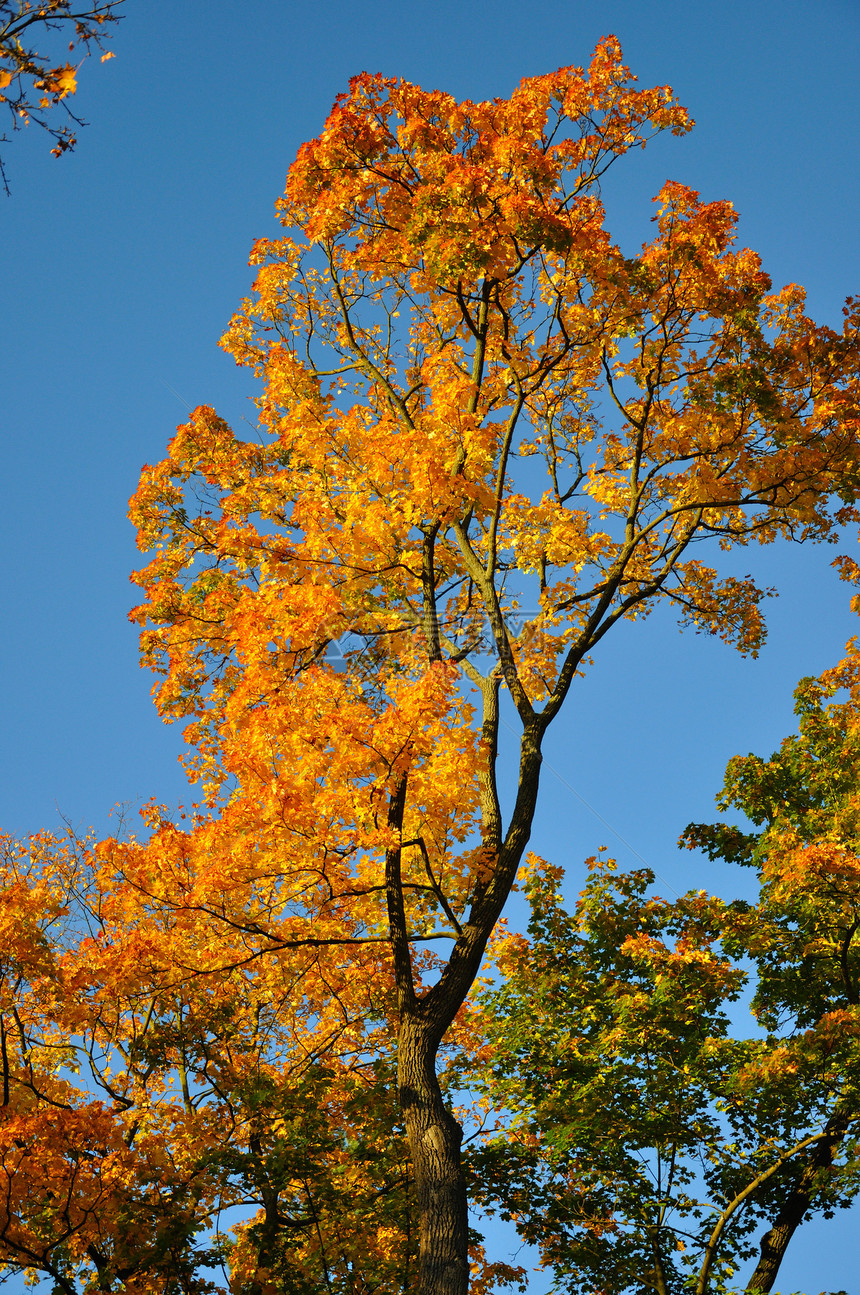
(641, 1142)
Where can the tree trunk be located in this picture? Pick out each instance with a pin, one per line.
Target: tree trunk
(433, 1134)
(775, 1241)
(434, 1142)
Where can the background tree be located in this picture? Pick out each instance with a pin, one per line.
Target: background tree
(152, 1132)
(487, 438)
(804, 801)
(33, 90)
(642, 1140)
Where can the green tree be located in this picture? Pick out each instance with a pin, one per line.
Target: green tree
(643, 1142)
(805, 803)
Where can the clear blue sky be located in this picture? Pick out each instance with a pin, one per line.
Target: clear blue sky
(123, 262)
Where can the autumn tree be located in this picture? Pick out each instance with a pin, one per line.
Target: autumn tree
(137, 1115)
(68, 1155)
(487, 437)
(32, 90)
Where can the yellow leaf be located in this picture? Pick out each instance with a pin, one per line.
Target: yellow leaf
(6, 78)
(60, 81)
(110, 54)
(66, 80)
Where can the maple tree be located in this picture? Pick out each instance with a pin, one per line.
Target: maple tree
(29, 86)
(805, 802)
(635, 1138)
(136, 1115)
(642, 1142)
(487, 437)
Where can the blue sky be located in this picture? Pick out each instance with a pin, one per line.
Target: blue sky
(124, 261)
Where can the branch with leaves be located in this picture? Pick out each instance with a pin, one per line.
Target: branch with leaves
(31, 88)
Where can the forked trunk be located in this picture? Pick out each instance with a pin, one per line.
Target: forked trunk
(434, 1142)
(433, 1133)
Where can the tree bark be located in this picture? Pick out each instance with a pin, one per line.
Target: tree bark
(775, 1241)
(434, 1140)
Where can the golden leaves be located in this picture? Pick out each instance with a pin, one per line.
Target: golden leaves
(486, 436)
(28, 70)
(465, 184)
(59, 81)
(447, 317)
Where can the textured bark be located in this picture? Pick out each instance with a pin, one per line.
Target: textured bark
(434, 1140)
(776, 1240)
(434, 1135)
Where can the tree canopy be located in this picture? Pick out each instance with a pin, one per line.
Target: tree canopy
(644, 1142)
(487, 436)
